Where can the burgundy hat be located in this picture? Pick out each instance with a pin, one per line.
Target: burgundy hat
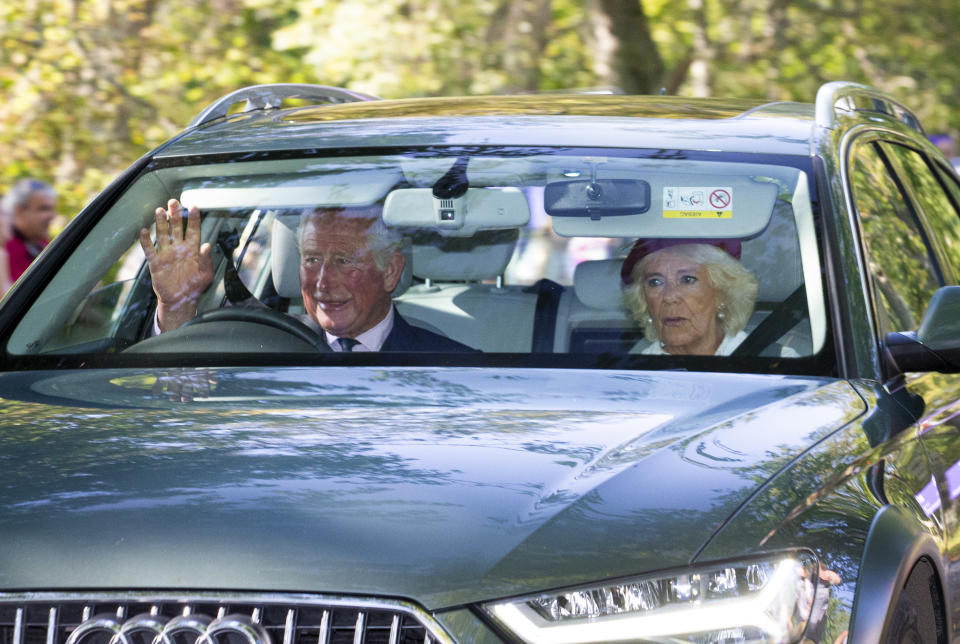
(643, 247)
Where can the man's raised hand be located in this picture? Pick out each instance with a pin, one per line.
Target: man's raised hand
(180, 267)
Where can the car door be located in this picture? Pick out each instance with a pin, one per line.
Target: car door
(936, 199)
(909, 223)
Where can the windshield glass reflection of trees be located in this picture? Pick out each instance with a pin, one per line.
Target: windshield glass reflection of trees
(519, 289)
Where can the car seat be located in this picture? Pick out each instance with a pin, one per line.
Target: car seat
(459, 290)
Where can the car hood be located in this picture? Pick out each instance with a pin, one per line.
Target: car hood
(445, 486)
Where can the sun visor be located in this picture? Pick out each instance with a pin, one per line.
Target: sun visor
(356, 188)
(478, 209)
(680, 205)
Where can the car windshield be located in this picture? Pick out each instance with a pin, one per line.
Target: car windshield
(548, 256)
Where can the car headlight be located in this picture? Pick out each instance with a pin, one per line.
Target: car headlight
(753, 600)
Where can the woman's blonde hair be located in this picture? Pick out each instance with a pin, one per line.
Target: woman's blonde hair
(736, 288)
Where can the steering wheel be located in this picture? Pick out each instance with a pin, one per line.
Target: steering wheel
(267, 317)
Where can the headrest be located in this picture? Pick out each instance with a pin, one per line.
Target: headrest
(774, 256)
(285, 256)
(485, 255)
(597, 284)
(285, 259)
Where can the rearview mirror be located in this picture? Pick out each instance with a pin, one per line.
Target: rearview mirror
(597, 198)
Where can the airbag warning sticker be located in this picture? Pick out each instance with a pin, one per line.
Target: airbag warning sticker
(697, 203)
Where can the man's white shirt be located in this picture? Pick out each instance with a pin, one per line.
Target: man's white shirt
(370, 340)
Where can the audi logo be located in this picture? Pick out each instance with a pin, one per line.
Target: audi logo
(183, 629)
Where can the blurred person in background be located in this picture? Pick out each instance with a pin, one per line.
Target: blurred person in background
(6, 233)
(948, 145)
(31, 206)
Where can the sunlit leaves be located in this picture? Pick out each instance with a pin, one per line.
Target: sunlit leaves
(90, 85)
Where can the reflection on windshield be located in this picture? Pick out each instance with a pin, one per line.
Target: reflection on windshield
(526, 252)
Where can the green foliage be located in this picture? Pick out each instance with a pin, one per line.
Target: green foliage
(90, 85)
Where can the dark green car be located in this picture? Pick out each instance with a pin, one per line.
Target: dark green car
(614, 369)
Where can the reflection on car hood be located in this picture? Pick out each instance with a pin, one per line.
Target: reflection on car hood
(442, 485)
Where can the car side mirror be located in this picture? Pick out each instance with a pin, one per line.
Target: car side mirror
(935, 346)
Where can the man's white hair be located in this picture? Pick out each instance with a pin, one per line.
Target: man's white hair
(382, 241)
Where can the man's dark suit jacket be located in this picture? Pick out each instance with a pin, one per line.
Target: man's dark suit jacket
(406, 337)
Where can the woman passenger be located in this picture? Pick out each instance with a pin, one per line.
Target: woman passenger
(691, 296)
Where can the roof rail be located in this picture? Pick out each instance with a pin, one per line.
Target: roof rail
(271, 96)
(854, 97)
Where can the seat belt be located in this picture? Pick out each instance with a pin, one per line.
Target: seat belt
(237, 293)
(545, 315)
(781, 319)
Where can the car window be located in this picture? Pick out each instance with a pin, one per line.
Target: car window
(938, 209)
(902, 270)
(951, 229)
(518, 251)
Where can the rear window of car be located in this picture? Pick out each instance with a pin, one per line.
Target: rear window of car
(515, 252)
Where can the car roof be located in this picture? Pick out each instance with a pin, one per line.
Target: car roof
(577, 120)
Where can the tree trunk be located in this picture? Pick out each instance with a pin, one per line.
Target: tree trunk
(525, 36)
(778, 29)
(624, 52)
(700, 84)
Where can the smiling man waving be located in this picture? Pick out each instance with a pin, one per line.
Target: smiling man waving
(350, 262)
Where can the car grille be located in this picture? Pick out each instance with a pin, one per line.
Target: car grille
(42, 618)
